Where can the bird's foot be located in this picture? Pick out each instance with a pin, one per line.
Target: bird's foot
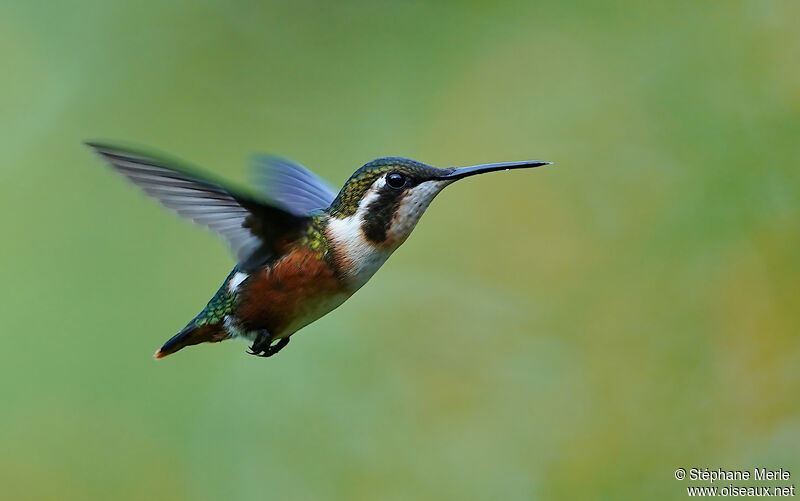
(263, 347)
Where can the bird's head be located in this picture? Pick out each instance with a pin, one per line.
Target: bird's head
(386, 197)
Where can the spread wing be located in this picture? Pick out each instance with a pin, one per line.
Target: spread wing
(294, 187)
(252, 228)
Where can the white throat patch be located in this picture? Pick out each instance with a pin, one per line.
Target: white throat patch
(355, 253)
(362, 257)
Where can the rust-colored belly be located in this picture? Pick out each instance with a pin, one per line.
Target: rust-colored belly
(294, 292)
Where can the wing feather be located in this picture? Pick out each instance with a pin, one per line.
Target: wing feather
(296, 188)
(207, 203)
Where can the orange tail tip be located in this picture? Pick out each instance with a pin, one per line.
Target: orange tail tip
(159, 354)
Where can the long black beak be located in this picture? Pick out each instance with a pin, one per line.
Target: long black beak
(454, 173)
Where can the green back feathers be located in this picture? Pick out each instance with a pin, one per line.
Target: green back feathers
(314, 236)
(220, 305)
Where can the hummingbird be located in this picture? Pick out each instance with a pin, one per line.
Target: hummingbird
(301, 247)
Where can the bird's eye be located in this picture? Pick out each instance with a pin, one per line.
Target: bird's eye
(395, 180)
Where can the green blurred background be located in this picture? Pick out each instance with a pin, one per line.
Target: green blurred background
(573, 332)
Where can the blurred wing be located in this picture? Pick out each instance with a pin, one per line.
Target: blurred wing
(296, 188)
(250, 227)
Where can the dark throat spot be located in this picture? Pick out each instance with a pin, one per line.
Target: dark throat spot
(379, 214)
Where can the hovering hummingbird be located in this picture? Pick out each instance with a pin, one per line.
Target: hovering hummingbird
(301, 248)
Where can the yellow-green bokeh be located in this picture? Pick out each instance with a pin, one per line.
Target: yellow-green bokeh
(573, 332)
